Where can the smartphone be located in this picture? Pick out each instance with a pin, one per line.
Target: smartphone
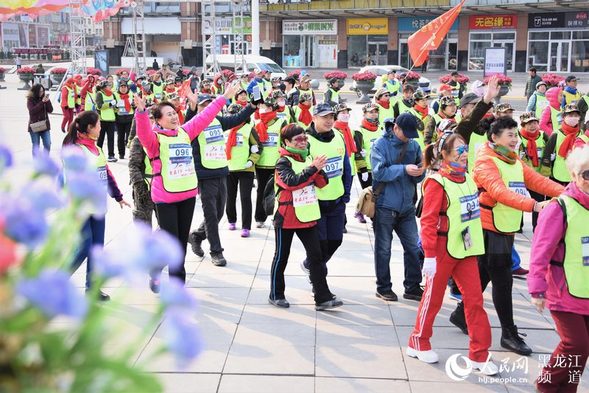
(257, 95)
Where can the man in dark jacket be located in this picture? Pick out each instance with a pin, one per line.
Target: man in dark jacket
(212, 183)
(531, 82)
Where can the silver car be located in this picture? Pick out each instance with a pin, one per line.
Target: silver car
(379, 70)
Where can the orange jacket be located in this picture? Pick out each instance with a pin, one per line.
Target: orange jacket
(493, 189)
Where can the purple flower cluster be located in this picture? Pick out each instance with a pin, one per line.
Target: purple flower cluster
(23, 222)
(5, 157)
(182, 336)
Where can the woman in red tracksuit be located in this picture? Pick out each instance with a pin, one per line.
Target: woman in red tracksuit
(452, 237)
(297, 211)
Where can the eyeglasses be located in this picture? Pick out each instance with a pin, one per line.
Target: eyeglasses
(461, 149)
(585, 174)
(299, 138)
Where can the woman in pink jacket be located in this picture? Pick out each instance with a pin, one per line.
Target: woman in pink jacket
(173, 188)
(554, 97)
(559, 280)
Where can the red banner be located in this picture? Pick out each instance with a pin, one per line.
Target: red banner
(479, 22)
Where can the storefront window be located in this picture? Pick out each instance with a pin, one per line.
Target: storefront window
(538, 54)
(367, 50)
(580, 56)
(560, 35)
(560, 53)
(292, 51)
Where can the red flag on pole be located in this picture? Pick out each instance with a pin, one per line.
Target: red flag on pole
(430, 36)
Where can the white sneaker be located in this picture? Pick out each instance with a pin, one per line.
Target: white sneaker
(425, 356)
(486, 368)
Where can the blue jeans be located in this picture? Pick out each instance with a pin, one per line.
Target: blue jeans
(92, 235)
(385, 221)
(37, 137)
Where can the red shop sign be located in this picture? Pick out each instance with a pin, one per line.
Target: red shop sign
(478, 22)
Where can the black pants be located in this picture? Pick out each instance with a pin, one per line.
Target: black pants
(366, 183)
(245, 181)
(213, 195)
(318, 272)
(176, 218)
(538, 198)
(262, 177)
(123, 130)
(107, 128)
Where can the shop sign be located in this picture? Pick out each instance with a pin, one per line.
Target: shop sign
(368, 26)
(478, 22)
(298, 27)
(547, 20)
(577, 19)
(226, 26)
(416, 23)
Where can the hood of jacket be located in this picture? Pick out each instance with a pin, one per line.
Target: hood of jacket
(552, 97)
(573, 191)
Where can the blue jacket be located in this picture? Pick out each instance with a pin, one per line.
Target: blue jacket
(399, 191)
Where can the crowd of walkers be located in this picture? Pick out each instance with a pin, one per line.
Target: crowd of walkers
(458, 165)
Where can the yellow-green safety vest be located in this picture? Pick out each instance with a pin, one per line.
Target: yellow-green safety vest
(506, 218)
(334, 168)
(402, 107)
(384, 114)
(90, 102)
(158, 91)
(571, 98)
(240, 153)
(368, 139)
(99, 162)
(270, 147)
(107, 113)
(464, 217)
(71, 97)
(334, 95)
(555, 119)
(540, 144)
(576, 243)
(421, 139)
(304, 200)
(476, 142)
(541, 104)
(285, 115)
(350, 155)
(212, 146)
(178, 173)
(392, 87)
(121, 104)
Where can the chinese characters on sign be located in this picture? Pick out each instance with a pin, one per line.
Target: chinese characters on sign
(493, 22)
(328, 27)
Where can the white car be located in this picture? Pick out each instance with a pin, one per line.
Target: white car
(379, 70)
(252, 62)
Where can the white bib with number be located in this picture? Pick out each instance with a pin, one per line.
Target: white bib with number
(469, 207)
(215, 152)
(585, 250)
(213, 134)
(272, 140)
(334, 167)
(304, 196)
(519, 188)
(180, 161)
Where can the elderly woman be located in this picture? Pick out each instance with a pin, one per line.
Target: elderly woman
(559, 277)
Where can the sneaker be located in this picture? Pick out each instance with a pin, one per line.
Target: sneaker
(282, 303)
(457, 318)
(121, 157)
(414, 294)
(112, 159)
(218, 259)
(487, 368)
(102, 297)
(245, 233)
(232, 226)
(329, 305)
(195, 242)
(360, 218)
(511, 340)
(304, 267)
(456, 296)
(260, 224)
(154, 285)
(520, 271)
(425, 356)
(388, 296)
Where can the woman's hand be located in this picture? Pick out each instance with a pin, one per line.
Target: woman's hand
(319, 162)
(231, 90)
(123, 203)
(139, 102)
(539, 303)
(492, 89)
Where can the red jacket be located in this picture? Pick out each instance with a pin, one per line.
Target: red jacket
(288, 181)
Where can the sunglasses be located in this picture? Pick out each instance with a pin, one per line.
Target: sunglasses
(461, 149)
(585, 174)
(299, 138)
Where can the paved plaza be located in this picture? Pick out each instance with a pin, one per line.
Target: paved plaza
(251, 346)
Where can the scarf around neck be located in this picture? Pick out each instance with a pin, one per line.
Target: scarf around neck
(532, 148)
(232, 140)
(305, 116)
(369, 126)
(569, 139)
(344, 128)
(507, 154)
(125, 98)
(452, 169)
(422, 111)
(384, 103)
(262, 126)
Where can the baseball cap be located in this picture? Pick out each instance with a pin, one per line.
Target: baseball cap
(445, 87)
(570, 78)
(571, 108)
(380, 92)
(408, 124)
(371, 106)
(323, 109)
(469, 98)
(420, 95)
(503, 107)
(540, 84)
(306, 78)
(342, 107)
(202, 98)
(527, 117)
(447, 101)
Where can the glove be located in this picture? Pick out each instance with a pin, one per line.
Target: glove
(363, 153)
(429, 267)
(364, 176)
(249, 164)
(112, 104)
(254, 149)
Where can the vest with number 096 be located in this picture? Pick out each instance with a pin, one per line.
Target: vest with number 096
(335, 151)
(270, 152)
(505, 218)
(463, 214)
(304, 200)
(576, 243)
(212, 146)
(240, 153)
(178, 173)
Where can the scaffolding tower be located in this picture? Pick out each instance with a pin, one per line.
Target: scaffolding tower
(77, 37)
(238, 36)
(135, 44)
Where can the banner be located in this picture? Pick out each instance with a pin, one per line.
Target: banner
(495, 61)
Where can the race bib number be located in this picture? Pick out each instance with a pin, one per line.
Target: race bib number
(238, 139)
(158, 96)
(519, 188)
(304, 197)
(180, 161)
(272, 140)
(121, 107)
(334, 167)
(585, 250)
(469, 207)
(213, 134)
(281, 115)
(102, 175)
(215, 152)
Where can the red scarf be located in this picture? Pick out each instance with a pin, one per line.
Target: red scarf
(344, 128)
(232, 140)
(281, 109)
(384, 103)
(180, 114)
(107, 91)
(262, 126)
(305, 116)
(242, 103)
(423, 111)
(569, 139)
(369, 126)
(125, 98)
(532, 148)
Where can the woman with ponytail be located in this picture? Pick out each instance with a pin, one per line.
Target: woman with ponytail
(452, 238)
(83, 133)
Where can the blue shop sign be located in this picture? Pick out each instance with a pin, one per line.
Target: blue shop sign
(417, 22)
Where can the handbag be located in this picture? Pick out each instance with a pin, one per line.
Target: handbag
(41, 125)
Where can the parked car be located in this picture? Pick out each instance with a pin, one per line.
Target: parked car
(380, 70)
(227, 62)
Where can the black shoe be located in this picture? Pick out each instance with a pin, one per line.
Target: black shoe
(218, 259)
(103, 297)
(457, 318)
(413, 294)
(112, 159)
(282, 303)
(329, 305)
(511, 340)
(195, 242)
(154, 285)
(388, 296)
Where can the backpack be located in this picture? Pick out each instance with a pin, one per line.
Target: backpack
(269, 198)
